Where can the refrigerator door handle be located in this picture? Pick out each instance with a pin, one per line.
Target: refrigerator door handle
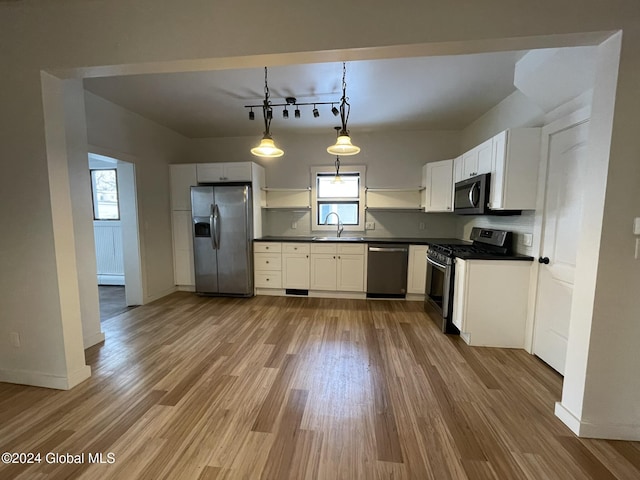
(216, 227)
(212, 227)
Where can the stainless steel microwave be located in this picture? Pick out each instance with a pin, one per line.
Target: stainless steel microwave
(472, 195)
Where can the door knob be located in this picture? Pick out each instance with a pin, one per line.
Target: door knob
(544, 260)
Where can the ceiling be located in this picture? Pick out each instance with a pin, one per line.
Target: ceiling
(443, 93)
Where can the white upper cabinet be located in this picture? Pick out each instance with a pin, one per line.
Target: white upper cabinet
(514, 170)
(438, 182)
(182, 178)
(475, 162)
(224, 172)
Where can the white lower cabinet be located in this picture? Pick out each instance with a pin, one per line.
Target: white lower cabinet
(295, 266)
(417, 270)
(267, 264)
(337, 267)
(490, 301)
(183, 271)
(350, 273)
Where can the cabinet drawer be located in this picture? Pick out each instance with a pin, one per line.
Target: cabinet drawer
(267, 247)
(355, 249)
(268, 261)
(295, 248)
(324, 248)
(268, 280)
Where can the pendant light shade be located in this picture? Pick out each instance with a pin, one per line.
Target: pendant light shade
(343, 145)
(267, 148)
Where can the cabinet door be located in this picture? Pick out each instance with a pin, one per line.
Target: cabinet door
(295, 270)
(470, 163)
(350, 273)
(210, 172)
(417, 271)
(459, 293)
(458, 170)
(323, 271)
(237, 172)
(496, 191)
(182, 248)
(182, 177)
(439, 187)
(484, 153)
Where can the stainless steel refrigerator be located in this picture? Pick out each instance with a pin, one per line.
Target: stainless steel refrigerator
(222, 234)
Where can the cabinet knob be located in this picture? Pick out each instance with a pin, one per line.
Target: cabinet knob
(334, 256)
(267, 261)
(307, 256)
(266, 248)
(267, 279)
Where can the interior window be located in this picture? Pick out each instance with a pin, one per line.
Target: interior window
(104, 191)
(342, 195)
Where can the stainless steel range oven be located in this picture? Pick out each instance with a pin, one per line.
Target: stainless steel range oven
(438, 300)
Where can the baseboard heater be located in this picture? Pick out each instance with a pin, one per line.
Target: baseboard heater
(297, 291)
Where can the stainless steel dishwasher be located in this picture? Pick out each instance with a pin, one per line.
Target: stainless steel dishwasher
(387, 270)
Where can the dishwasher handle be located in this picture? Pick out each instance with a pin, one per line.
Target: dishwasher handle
(388, 249)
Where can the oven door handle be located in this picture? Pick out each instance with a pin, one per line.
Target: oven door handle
(433, 262)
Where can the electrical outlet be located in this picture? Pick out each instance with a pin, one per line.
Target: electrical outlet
(527, 239)
(370, 225)
(294, 225)
(421, 225)
(14, 339)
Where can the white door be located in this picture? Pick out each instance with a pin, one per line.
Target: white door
(350, 274)
(323, 271)
(561, 230)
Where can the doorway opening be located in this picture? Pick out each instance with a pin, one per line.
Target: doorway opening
(115, 228)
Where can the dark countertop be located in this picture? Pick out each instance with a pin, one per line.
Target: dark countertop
(412, 241)
(407, 240)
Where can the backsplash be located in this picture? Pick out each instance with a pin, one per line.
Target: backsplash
(387, 224)
(518, 224)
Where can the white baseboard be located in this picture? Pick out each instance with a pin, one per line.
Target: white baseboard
(93, 339)
(628, 432)
(110, 279)
(159, 295)
(186, 288)
(46, 380)
(567, 417)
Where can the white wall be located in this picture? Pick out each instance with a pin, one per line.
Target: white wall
(151, 147)
(74, 38)
(392, 158)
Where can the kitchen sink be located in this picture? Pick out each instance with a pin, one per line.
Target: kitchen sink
(337, 239)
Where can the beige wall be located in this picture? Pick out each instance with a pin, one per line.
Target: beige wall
(151, 148)
(57, 35)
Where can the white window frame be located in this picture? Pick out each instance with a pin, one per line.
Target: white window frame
(94, 195)
(361, 170)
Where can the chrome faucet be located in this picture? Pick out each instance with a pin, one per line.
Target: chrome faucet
(340, 227)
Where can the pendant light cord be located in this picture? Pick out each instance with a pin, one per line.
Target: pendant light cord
(345, 107)
(266, 107)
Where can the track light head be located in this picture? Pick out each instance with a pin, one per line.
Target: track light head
(285, 113)
(296, 113)
(252, 116)
(316, 113)
(335, 111)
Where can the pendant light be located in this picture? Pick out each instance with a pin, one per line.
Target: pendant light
(343, 145)
(267, 147)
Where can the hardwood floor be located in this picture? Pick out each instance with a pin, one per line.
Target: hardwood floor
(297, 388)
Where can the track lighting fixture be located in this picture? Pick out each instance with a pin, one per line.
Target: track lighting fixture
(316, 114)
(267, 147)
(334, 110)
(296, 113)
(252, 115)
(285, 113)
(343, 145)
